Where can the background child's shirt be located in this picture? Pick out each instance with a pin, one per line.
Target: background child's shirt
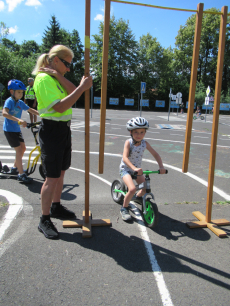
(15, 109)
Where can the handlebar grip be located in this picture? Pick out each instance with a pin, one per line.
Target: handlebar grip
(166, 171)
(28, 125)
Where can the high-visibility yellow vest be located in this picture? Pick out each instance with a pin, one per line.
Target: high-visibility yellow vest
(48, 93)
(30, 94)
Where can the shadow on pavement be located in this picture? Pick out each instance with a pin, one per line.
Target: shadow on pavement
(130, 253)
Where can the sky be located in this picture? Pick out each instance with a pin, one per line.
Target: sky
(28, 19)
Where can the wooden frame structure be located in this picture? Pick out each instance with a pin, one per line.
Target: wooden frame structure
(204, 221)
(87, 221)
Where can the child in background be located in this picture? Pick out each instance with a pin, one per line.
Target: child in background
(12, 111)
(132, 158)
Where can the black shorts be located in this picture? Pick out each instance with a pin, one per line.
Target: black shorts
(56, 147)
(30, 103)
(14, 138)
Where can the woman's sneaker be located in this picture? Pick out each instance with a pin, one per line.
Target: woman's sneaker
(125, 214)
(61, 212)
(48, 229)
(24, 178)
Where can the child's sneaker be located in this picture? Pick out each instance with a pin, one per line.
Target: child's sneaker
(13, 171)
(24, 178)
(125, 214)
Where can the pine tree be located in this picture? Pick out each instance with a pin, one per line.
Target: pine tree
(52, 36)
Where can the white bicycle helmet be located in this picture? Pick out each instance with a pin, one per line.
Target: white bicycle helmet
(137, 123)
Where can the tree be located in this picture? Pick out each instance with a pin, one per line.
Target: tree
(73, 41)
(12, 46)
(52, 36)
(28, 48)
(208, 50)
(121, 62)
(4, 31)
(14, 66)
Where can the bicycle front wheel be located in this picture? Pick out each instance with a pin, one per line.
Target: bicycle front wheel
(194, 117)
(151, 217)
(118, 197)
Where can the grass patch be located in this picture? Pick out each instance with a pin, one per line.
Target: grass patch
(187, 202)
(222, 202)
(2, 204)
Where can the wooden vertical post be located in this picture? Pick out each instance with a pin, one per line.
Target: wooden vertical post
(219, 72)
(104, 85)
(87, 103)
(206, 221)
(87, 222)
(192, 89)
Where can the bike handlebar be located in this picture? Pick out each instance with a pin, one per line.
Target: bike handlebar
(29, 125)
(151, 172)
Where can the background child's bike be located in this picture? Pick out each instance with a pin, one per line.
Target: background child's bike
(149, 208)
(198, 116)
(32, 161)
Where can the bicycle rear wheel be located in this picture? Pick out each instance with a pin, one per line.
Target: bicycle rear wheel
(118, 197)
(151, 217)
(202, 117)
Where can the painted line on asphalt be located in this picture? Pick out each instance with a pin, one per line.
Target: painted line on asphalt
(163, 140)
(193, 176)
(158, 275)
(16, 204)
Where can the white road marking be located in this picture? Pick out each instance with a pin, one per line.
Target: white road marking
(200, 137)
(16, 204)
(158, 275)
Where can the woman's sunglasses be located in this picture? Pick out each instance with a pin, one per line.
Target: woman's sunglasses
(67, 64)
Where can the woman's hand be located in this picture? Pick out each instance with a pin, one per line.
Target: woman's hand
(86, 82)
(49, 71)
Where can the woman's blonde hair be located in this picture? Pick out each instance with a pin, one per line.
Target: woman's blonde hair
(45, 59)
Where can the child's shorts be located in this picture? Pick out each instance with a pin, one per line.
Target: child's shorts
(14, 138)
(123, 172)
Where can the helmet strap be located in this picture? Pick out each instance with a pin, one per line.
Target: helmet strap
(134, 141)
(13, 96)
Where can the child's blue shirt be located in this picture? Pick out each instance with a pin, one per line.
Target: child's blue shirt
(15, 109)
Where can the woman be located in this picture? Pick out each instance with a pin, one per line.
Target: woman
(55, 96)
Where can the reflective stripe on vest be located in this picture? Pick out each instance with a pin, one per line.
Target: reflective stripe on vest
(49, 113)
(29, 94)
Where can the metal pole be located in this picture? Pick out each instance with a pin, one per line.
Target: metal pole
(169, 102)
(141, 104)
(91, 101)
(138, 102)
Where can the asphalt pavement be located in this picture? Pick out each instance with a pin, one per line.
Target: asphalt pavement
(127, 263)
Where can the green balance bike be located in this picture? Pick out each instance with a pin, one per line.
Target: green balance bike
(149, 207)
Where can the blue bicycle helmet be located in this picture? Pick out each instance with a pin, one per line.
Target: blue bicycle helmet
(16, 85)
